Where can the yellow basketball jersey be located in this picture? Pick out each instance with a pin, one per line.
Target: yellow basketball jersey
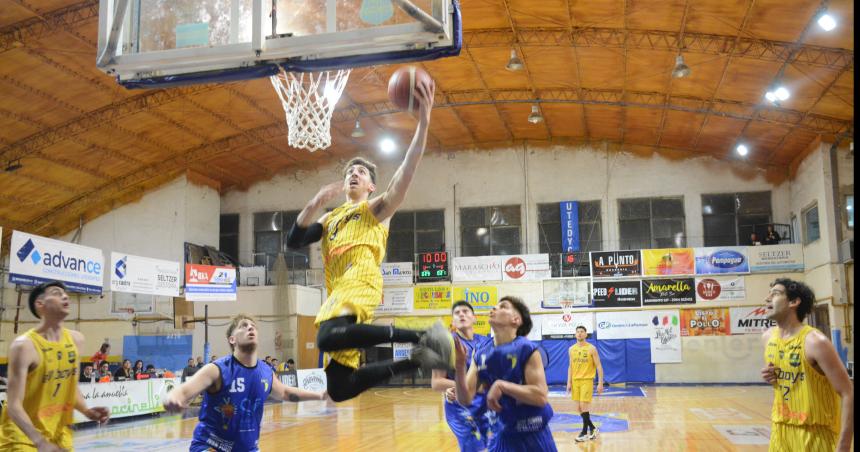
(802, 395)
(581, 362)
(49, 394)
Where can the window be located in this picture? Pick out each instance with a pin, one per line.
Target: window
(729, 219)
(811, 231)
(415, 232)
(228, 241)
(651, 223)
(490, 231)
(270, 238)
(849, 210)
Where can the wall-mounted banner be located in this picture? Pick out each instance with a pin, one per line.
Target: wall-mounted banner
(776, 258)
(526, 267)
(482, 298)
(722, 259)
(750, 320)
(623, 325)
(563, 326)
(720, 288)
(569, 226)
(210, 283)
(556, 290)
(665, 337)
(668, 261)
(668, 291)
(610, 264)
(402, 350)
(314, 380)
(127, 398)
(705, 322)
(616, 294)
(417, 323)
(483, 268)
(429, 298)
(135, 274)
(396, 273)
(38, 259)
(396, 300)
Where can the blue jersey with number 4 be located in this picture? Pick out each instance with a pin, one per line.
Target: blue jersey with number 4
(230, 419)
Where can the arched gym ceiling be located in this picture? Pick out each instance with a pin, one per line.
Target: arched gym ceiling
(601, 69)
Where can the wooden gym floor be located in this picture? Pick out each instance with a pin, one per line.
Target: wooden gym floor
(667, 418)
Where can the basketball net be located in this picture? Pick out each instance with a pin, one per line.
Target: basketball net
(309, 99)
(567, 308)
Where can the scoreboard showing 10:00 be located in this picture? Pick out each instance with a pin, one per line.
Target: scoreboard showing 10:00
(432, 266)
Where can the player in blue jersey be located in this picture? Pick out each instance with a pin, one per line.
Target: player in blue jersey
(510, 370)
(236, 386)
(467, 422)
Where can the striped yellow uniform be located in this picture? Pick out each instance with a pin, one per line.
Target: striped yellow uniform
(49, 395)
(581, 371)
(805, 414)
(353, 246)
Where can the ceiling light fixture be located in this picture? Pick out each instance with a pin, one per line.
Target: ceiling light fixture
(387, 145)
(826, 22)
(535, 116)
(357, 132)
(14, 165)
(515, 63)
(777, 95)
(681, 70)
(743, 150)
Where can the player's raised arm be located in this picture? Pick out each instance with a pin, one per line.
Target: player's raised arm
(304, 231)
(466, 382)
(283, 392)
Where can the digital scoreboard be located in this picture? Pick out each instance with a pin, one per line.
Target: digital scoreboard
(432, 266)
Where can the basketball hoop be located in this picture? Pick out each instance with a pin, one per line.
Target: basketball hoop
(567, 307)
(126, 313)
(309, 99)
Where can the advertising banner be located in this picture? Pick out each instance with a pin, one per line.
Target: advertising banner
(563, 326)
(483, 268)
(396, 273)
(482, 298)
(312, 379)
(705, 322)
(126, 398)
(556, 290)
(722, 259)
(210, 283)
(623, 325)
(616, 294)
(668, 291)
(750, 320)
(526, 267)
(135, 274)
(569, 226)
(429, 298)
(776, 258)
(665, 337)
(668, 261)
(720, 288)
(612, 264)
(396, 300)
(481, 325)
(37, 259)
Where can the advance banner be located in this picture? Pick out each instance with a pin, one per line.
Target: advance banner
(396, 273)
(750, 320)
(668, 261)
(39, 259)
(616, 294)
(126, 398)
(668, 291)
(722, 259)
(135, 274)
(396, 300)
(665, 337)
(526, 267)
(623, 325)
(705, 322)
(721, 288)
(431, 298)
(482, 298)
(563, 326)
(484, 268)
(556, 290)
(612, 264)
(209, 283)
(776, 258)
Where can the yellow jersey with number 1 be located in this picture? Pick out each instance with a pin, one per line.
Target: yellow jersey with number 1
(50, 393)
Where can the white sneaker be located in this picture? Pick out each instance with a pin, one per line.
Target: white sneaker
(582, 438)
(594, 433)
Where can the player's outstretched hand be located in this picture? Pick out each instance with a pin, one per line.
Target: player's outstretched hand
(47, 446)
(329, 192)
(425, 92)
(173, 403)
(600, 388)
(493, 396)
(451, 395)
(459, 354)
(99, 414)
(768, 373)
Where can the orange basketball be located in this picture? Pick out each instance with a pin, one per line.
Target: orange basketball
(401, 87)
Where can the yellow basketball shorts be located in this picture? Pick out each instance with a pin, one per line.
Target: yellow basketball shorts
(581, 390)
(791, 438)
